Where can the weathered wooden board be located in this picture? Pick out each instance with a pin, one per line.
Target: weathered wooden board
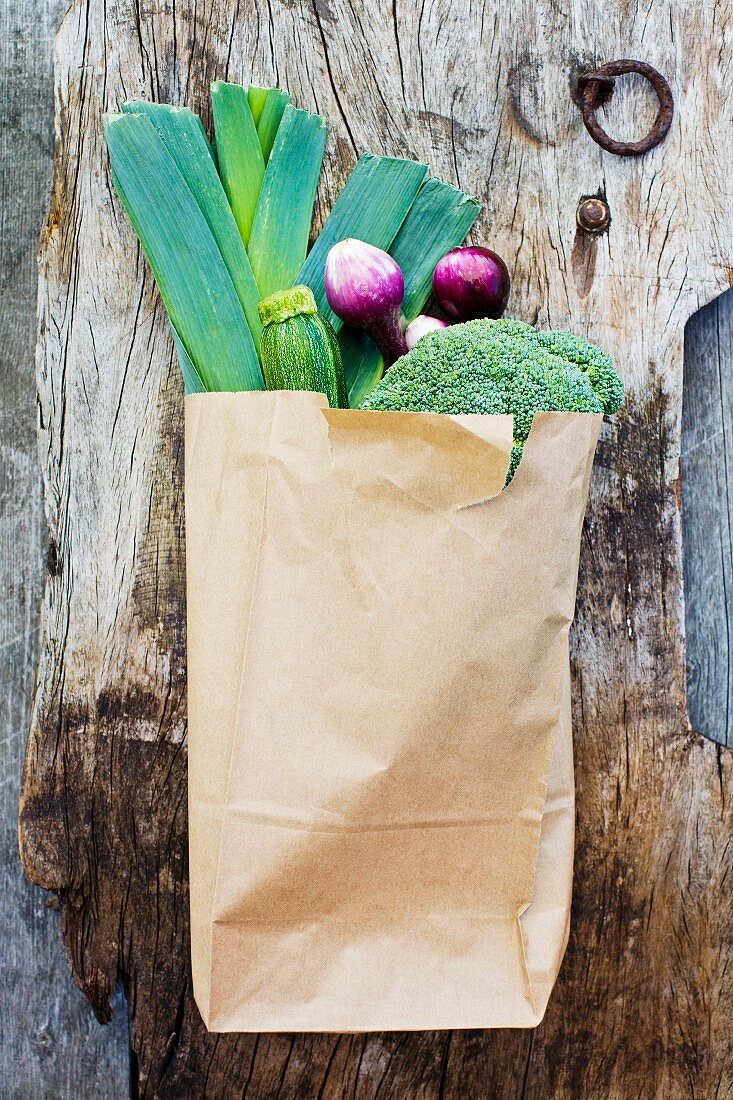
(707, 498)
(484, 94)
(49, 1044)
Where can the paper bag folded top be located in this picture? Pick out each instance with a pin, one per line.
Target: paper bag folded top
(380, 753)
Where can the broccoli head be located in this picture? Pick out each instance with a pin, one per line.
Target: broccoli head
(500, 366)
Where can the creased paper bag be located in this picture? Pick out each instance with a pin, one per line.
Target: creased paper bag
(380, 754)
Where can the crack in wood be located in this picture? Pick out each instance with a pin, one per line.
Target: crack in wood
(645, 989)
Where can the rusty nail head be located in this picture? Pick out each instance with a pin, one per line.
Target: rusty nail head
(593, 215)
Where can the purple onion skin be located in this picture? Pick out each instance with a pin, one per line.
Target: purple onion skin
(365, 288)
(389, 338)
(471, 282)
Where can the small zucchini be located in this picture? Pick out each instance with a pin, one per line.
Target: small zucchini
(298, 347)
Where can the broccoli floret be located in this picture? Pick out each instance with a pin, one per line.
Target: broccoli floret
(593, 361)
(500, 366)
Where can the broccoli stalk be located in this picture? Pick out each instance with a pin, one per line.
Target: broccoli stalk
(500, 366)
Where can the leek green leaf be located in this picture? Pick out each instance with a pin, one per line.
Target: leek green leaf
(270, 119)
(439, 219)
(192, 278)
(191, 378)
(185, 139)
(256, 98)
(241, 163)
(281, 227)
(172, 123)
(363, 364)
(371, 207)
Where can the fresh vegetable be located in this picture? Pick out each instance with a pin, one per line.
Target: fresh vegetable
(270, 119)
(182, 131)
(257, 205)
(184, 138)
(279, 239)
(366, 288)
(420, 327)
(257, 97)
(439, 218)
(471, 282)
(192, 381)
(298, 346)
(241, 163)
(193, 280)
(371, 207)
(500, 366)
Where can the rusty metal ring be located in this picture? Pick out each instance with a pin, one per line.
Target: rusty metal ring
(597, 88)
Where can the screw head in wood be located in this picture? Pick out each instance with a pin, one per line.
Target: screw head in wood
(593, 215)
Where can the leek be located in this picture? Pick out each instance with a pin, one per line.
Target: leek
(281, 228)
(192, 278)
(270, 119)
(185, 139)
(191, 378)
(439, 219)
(371, 207)
(241, 163)
(256, 98)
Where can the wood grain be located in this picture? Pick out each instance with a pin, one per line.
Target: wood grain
(49, 1044)
(707, 497)
(645, 992)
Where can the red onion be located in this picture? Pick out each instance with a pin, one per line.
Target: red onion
(471, 282)
(420, 326)
(365, 288)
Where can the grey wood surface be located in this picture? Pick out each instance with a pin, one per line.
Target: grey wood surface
(707, 499)
(50, 1044)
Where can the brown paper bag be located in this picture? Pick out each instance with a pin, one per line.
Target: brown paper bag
(380, 754)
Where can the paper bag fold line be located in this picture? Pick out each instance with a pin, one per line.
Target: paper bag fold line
(439, 461)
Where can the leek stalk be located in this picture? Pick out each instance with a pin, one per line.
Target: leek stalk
(241, 163)
(371, 207)
(270, 118)
(438, 220)
(185, 140)
(192, 277)
(281, 227)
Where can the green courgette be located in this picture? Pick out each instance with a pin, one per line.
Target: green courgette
(298, 347)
